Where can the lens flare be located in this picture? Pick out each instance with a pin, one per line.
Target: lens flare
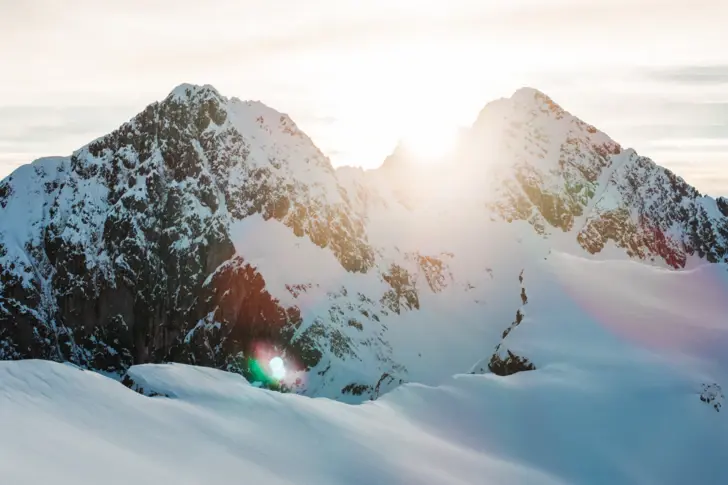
(277, 368)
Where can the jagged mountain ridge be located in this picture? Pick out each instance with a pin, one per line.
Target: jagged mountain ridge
(547, 167)
(153, 196)
(207, 230)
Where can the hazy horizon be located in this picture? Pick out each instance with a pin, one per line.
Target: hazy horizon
(357, 76)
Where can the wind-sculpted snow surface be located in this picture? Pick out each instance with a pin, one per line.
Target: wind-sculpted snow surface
(558, 425)
(212, 231)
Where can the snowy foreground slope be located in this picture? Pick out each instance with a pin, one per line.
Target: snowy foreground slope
(554, 426)
(625, 392)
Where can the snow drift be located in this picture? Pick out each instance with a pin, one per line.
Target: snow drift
(610, 402)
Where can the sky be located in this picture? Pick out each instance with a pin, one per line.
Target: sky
(358, 76)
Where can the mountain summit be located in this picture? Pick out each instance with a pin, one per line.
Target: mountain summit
(212, 231)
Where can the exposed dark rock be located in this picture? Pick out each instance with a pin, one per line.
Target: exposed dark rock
(436, 271)
(510, 365)
(403, 293)
(129, 382)
(712, 394)
(356, 389)
(722, 203)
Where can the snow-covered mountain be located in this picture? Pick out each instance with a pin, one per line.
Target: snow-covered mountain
(212, 231)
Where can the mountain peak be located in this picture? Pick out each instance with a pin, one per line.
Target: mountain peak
(534, 99)
(190, 91)
(528, 93)
(525, 97)
(243, 109)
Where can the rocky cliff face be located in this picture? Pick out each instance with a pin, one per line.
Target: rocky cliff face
(212, 231)
(565, 175)
(121, 252)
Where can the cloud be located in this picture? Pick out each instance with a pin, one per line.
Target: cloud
(28, 132)
(334, 65)
(657, 130)
(700, 74)
(708, 177)
(691, 144)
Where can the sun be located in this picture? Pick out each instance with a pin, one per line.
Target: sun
(431, 143)
(277, 368)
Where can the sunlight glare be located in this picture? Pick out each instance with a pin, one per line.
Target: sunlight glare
(430, 144)
(277, 368)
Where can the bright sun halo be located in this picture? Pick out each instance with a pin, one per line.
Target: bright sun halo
(430, 144)
(277, 368)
